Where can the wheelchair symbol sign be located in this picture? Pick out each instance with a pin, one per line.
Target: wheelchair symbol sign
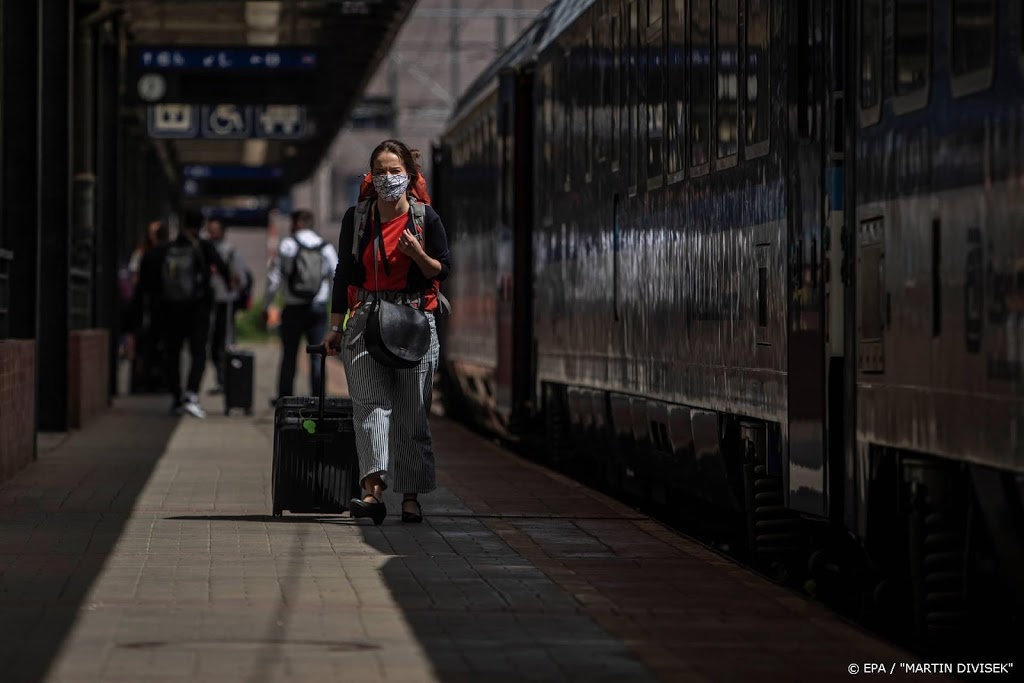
(227, 121)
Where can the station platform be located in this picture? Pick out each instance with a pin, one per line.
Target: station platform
(142, 549)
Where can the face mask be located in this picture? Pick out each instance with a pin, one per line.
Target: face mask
(390, 188)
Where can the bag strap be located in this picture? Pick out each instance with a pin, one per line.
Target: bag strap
(376, 256)
(419, 216)
(362, 211)
(200, 258)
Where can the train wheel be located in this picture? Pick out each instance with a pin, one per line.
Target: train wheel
(936, 527)
(774, 533)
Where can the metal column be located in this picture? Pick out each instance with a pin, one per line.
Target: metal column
(107, 300)
(20, 162)
(54, 155)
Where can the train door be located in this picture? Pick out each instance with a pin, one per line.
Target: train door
(504, 300)
(515, 295)
(806, 472)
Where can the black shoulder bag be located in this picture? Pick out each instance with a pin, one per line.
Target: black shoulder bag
(396, 336)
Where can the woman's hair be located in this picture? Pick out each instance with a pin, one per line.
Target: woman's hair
(153, 237)
(410, 157)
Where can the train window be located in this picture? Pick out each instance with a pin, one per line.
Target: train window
(633, 82)
(568, 104)
(591, 94)
(675, 74)
(599, 95)
(757, 112)
(548, 138)
(505, 140)
(492, 141)
(974, 39)
(913, 46)
(870, 53)
(616, 98)
(700, 81)
(655, 111)
(653, 12)
(727, 78)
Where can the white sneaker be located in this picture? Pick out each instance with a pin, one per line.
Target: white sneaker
(191, 405)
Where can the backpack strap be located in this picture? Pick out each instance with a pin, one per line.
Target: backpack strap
(419, 219)
(362, 211)
(419, 215)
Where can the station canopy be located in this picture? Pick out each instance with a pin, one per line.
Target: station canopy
(268, 84)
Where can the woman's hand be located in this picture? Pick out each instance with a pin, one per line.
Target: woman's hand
(332, 342)
(410, 246)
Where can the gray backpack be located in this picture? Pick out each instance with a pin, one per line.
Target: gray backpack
(307, 272)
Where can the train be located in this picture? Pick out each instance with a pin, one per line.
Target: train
(760, 263)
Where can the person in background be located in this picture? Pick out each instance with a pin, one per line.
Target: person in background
(302, 268)
(155, 235)
(221, 333)
(141, 345)
(176, 279)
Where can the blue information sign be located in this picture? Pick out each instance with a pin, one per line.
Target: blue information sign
(229, 172)
(169, 58)
(236, 216)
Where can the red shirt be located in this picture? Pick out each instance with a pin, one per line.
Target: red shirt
(395, 278)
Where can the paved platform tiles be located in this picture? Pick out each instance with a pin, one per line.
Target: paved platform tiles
(142, 549)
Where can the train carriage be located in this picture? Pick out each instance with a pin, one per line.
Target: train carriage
(758, 262)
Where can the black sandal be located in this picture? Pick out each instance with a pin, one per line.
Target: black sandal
(375, 511)
(412, 517)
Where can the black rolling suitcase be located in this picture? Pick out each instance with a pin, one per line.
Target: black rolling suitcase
(238, 372)
(315, 464)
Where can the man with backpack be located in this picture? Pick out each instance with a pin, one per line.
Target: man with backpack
(175, 277)
(303, 267)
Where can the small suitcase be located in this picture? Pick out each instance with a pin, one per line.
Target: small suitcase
(238, 371)
(315, 464)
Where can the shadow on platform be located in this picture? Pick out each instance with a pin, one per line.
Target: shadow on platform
(267, 519)
(60, 520)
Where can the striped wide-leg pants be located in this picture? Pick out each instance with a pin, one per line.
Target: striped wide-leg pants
(391, 410)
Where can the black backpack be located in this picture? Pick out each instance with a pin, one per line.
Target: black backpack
(307, 273)
(182, 273)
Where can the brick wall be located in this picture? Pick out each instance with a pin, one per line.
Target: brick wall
(17, 405)
(88, 375)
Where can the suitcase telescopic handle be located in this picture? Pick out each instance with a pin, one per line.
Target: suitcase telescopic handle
(320, 350)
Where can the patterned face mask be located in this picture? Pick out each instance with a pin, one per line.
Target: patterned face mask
(390, 188)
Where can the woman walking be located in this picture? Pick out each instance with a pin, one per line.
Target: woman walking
(383, 254)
